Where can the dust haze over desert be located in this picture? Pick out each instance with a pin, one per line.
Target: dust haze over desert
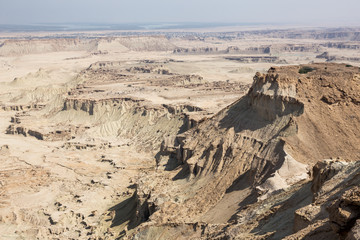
(180, 119)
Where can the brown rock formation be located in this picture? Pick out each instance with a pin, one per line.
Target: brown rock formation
(259, 147)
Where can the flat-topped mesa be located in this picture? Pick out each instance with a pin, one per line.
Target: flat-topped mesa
(88, 104)
(137, 120)
(199, 50)
(16, 47)
(141, 121)
(256, 59)
(105, 65)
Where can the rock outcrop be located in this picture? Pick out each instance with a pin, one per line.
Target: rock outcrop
(201, 50)
(263, 146)
(256, 59)
(332, 58)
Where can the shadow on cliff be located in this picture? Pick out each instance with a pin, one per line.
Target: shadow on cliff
(124, 212)
(249, 114)
(281, 223)
(241, 116)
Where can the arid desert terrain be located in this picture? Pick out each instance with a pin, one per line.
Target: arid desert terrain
(236, 134)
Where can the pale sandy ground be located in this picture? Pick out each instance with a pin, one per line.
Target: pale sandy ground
(63, 175)
(42, 180)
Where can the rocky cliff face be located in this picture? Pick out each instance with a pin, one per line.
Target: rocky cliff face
(22, 47)
(100, 45)
(200, 50)
(261, 149)
(128, 117)
(256, 59)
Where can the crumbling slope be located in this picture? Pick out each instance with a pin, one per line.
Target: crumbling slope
(262, 145)
(315, 114)
(308, 117)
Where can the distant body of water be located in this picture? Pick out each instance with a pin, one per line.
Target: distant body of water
(101, 27)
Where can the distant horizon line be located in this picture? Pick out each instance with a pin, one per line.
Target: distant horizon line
(145, 26)
(92, 26)
(145, 22)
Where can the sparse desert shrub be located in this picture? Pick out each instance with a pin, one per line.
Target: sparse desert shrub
(305, 70)
(348, 65)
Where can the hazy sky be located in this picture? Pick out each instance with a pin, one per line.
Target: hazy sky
(125, 11)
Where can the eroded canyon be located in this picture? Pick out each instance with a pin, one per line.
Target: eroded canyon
(191, 135)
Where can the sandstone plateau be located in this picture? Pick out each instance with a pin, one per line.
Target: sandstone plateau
(181, 136)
